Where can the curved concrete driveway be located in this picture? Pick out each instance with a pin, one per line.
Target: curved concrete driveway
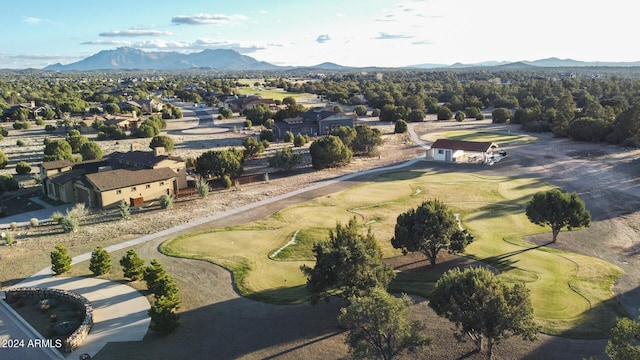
(120, 313)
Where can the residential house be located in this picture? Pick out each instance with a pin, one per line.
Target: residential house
(449, 150)
(155, 159)
(315, 122)
(108, 188)
(7, 114)
(132, 176)
(149, 106)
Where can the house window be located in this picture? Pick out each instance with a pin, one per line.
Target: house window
(440, 151)
(148, 186)
(133, 188)
(118, 192)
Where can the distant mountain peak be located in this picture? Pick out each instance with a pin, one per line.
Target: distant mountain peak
(128, 58)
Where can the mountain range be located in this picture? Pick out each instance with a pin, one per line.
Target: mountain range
(126, 58)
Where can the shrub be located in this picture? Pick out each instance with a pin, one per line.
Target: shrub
(23, 168)
(34, 222)
(444, 113)
(78, 211)
(60, 260)
(360, 110)
(266, 135)
(299, 140)
(375, 113)
(57, 217)
(288, 137)
(203, 187)
(631, 142)
(401, 127)
(100, 262)
(49, 128)
(285, 159)
(166, 201)
(226, 182)
(9, 238)
(124, 209)
(132, 265)
(39, 121)
(70, 224)
(247, 124)
(4, 160)
(13, 225)
(4, 131)
(460, 116)
(163, 318)
(20, 142)
(480, 116)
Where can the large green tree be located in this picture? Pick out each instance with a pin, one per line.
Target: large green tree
(624, 343)
(162, 141)
(366, 141)
(58, 150)
(329, 151)
(483, 308)
(220, 163)
(379, 326)
(285, 159)
(429, 229)
(346, 134)
(558, 209)
(76, 140)
(349, 263)
(259, 114)
(91, 151)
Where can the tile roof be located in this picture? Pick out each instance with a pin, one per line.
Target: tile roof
(121, 178)
(479, 146)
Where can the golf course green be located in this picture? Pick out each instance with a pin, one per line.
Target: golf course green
(571, 293)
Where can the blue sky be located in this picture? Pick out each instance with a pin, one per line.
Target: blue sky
(36, 33)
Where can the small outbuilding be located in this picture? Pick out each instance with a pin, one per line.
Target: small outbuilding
(459, 151)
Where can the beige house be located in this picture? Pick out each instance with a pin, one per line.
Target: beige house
(134, 177)
(107, 188)
(156, 159)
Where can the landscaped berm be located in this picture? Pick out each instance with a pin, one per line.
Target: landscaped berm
(571, 293)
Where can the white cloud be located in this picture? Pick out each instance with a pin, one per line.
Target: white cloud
(386, 36)
(323, 38)
(135, 32)
(208, 19)
(161, 44)
(107, 42)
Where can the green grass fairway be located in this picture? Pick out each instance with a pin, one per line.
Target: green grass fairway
(269, 93)
(571, 293)
(500, 138)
